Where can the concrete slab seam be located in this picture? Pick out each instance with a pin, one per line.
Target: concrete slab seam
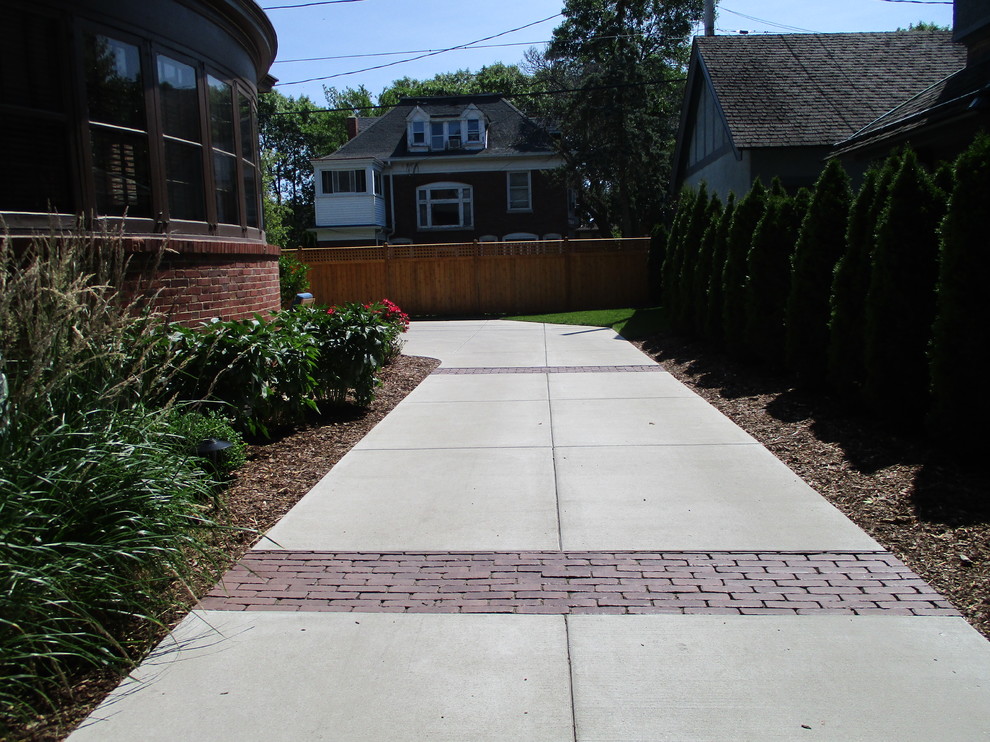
(456, 371)
(572, 582)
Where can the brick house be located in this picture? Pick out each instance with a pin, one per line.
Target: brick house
(442, 169)
(140, 117)
(777, 104)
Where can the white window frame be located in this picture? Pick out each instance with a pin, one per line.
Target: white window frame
(509, 187)
(425, 201)
(334, 181)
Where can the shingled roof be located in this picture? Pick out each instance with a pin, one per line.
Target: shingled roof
(818, 89)
(510, 131)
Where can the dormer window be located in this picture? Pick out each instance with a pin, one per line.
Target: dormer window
(445, 133)
(418, 134)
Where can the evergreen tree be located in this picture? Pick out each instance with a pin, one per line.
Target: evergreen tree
(673, 255)
(821, 242)
(768, 267)
(703, 266)
(961, 333)
(681, 313)
(900, 303)
(851, 281)
(744, 220)
(713, 310)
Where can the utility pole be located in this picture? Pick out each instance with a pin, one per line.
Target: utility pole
(709, 17)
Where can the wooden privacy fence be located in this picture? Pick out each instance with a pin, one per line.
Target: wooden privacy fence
(485, 277)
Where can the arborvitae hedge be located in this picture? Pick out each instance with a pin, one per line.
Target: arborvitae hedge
(703, 266)
(680, 309)
(673, 255)
(768, 267)
(821, 242)
(712, 328)
(900, 303)
(744, 220)
(961, 333)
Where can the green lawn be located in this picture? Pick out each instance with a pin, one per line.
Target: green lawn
(632, 324)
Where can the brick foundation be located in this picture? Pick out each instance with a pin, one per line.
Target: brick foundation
(197, 280)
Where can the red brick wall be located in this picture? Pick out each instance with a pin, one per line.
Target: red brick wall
(197, 280)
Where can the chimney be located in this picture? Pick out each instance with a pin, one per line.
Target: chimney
(352, 127)
(709, 17)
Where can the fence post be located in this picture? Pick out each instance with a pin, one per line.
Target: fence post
(568, 277)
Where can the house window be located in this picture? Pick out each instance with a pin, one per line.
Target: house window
(419, 133)
(473, 131)
(179, 98)
(118, 128)
(344, 181)
(520, 192)
(377, 181)
(444, 206)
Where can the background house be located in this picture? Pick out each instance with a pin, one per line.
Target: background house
(441, 169)
(941, 120)
(141, 116)
(775, 105)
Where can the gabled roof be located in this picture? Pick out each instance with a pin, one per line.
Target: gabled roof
(949, 98)
(510, 131)
(817, 89)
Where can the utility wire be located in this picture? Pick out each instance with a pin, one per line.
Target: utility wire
(308, 5)
(421, 56)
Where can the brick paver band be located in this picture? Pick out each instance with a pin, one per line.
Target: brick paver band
(558, 582)
(452, 371)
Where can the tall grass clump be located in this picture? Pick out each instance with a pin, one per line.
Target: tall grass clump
(99, 510)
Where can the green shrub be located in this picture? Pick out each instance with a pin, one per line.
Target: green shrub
(702, 275)
(189, 429)
(900, 303)
(961, 333)
(746, 216)
(681, 308)
(821, 242)
(98, 520)
(768, 268)
(712, 328)
(674, 254)
(277, 371)
(851, 282)
(293, 278)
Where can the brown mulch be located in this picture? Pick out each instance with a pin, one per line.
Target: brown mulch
(932, 510)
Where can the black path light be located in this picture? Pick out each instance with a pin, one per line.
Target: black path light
(212, 449)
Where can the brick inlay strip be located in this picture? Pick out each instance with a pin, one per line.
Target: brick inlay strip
(452, 371)
(577, 582)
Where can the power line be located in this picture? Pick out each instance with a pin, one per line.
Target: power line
(307, 5)
(769, 23)
(422, 56)
(921, 2)
(411, 51)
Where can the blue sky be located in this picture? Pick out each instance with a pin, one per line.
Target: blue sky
(419, 27)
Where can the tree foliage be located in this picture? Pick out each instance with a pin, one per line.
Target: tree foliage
(747, 215)
(961, 334)
(712, 328)
(627, 59)
(507, 80)
(768, 269)
(820, 244)
(900, 303)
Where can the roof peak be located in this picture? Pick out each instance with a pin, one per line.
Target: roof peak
(451, 99)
